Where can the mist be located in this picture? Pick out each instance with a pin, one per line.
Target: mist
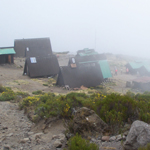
(112, 26)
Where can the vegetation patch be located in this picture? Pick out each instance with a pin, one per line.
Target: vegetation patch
(38, 92)
(78, 143)
(147, 147)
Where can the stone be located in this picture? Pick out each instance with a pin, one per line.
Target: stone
(6, 147)
(57, 144)
(36, 136)
(105, 138)
(139, 135)
(113, 138)
(24, 140)
(86, 120)
(61, 137)
(10, 134)
(30, 133)
(120, 137)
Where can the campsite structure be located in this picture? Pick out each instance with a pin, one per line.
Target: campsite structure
(143, 68)
(40, 60)
(32, 47)
(7, 55)
(87, 68)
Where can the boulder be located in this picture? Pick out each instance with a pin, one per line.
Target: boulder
(87, 121)
(139, 135)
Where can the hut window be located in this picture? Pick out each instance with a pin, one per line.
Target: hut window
(27, 48)
(33, 60)
(73, 60)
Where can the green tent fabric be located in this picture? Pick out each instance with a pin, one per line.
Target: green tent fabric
(7, 51)
(136, 65)
(88, 54)
(105, 69)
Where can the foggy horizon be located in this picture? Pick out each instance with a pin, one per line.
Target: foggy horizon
(112, 26)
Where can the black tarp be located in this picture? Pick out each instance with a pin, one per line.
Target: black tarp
(87, 75)
(32, 47)
(41, 66)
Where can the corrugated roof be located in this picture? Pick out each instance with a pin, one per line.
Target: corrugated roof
(105, 69)
(7, 51)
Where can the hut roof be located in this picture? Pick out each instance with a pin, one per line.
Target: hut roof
(4, 51)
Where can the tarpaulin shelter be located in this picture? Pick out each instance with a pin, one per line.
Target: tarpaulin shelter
(87, 70)
(32, 47)
(7, 55)
(143, 68)
(41, 66)
(134, 66)
(88, 76)
(40, 60)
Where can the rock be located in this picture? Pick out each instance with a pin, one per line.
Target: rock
(24, 140)
(69, 135)
(86, 120)
(113, 138)
(10, 134)
(60, 136)
(36, 136)
(6, 147)
(4, 128)
(139, 135)
(30, 133)
(120, 137)
(57, 144)
(105, 138)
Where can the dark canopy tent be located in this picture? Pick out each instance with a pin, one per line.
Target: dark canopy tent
(41, 66)
(32, 47)
(88, 76)
(40, 60)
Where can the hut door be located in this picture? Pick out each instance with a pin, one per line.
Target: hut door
(9, 59)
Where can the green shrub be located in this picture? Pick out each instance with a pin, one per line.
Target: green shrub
(29, 101)
(23, 94)
(7, 95)
(78, 143)
(38, 92)
(147, 147)
(45, 84)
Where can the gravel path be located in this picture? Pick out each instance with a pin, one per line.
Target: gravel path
(16, 132)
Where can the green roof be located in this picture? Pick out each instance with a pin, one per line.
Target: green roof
(147, 67)
(87, 52)
(105, 69)
(136, 65)
(5, 51)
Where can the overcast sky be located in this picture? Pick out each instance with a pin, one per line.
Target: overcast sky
(114, 26)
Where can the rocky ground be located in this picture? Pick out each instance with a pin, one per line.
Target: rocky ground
(18, 133)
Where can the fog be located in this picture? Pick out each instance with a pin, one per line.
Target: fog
(109, 26)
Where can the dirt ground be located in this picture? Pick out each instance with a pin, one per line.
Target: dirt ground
(11, 76)
(16, 130)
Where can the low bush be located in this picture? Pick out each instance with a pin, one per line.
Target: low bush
(22, 94)
(78, 143)
(114, 109)
(147, 147)
(38, 92)
(7, 95)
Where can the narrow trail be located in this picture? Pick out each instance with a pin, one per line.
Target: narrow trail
(17, 132)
